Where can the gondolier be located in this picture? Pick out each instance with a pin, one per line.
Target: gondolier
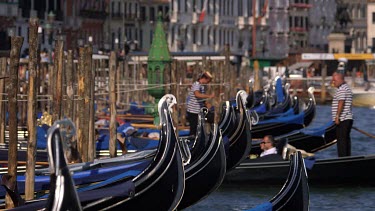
(196, 99)
(342, 114)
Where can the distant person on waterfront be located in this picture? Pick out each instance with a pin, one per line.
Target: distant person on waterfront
(268, 146)
(342, 113)
(196, 100)
(189, 72)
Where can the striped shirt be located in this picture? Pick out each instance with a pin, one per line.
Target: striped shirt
(195, 104)
(343, 93)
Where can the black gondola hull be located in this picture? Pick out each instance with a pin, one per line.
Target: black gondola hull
(204, 176)
(336, 171)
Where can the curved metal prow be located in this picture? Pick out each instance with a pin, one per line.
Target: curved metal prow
(66, 131)
(311, 94)
(185, 151)
(170, 100)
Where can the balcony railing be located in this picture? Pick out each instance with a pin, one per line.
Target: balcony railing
(298, 29)
(117, 15)
(301, 5)
(131, 16)
(93, 14)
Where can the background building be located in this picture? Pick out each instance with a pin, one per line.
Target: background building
(371, 25)
(8, 16)
(321, 23)
(358, 28)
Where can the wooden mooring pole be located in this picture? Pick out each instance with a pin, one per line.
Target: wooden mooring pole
(31, 109)
(323, 90)
(3, 72)
(81, 134)
(174, 91)
(58, 73)
(90, 89)
(12, 87)
(69, 105)
(112, 101)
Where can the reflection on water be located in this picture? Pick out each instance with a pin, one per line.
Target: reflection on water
(241, 197)
(343, 198)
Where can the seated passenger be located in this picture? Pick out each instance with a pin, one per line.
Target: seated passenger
(268, 146)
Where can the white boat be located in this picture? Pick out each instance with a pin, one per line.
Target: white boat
(361, 96)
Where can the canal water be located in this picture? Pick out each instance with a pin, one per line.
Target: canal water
(343, 198)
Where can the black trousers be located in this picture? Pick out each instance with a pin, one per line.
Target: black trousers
(343, 138)
(193, 122)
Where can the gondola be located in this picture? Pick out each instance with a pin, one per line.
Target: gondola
(308, 139)
(207, 166)
(280, 105)
(293, 110)
(237, 131)
(294, 195)
(283, 100)
(41, 155)
(286, 124)
(352, 170)
(164, 176)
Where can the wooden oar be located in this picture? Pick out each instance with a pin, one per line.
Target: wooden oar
(364, 132)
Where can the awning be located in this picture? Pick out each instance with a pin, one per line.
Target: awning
(300, 65)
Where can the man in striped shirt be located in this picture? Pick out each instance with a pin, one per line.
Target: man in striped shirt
(342, 114)
(196, 99)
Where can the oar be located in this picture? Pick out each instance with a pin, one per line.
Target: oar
(364, 132)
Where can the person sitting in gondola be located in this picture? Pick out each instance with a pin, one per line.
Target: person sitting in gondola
(268, 146)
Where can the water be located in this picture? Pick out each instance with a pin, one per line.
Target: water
(343, 198)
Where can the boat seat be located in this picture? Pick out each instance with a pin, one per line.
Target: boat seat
(282, 148)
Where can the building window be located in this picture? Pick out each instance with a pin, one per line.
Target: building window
(249, 8)
(143, 13)
(208, 7)
(160, 9)
(231, 8)
(202, 37)
(119, 7)
(214, 36)
(232, 38)
(136, 10)
(373, 17)
(194, 36)
(178, 5)
(152, 14)
(208, 36)
(240, 8)
(220, 35)
(214, 6)
(364, 11)
(290, 21)
(126, 9)
(172, 35)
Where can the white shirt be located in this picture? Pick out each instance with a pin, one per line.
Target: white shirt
(269, 152)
